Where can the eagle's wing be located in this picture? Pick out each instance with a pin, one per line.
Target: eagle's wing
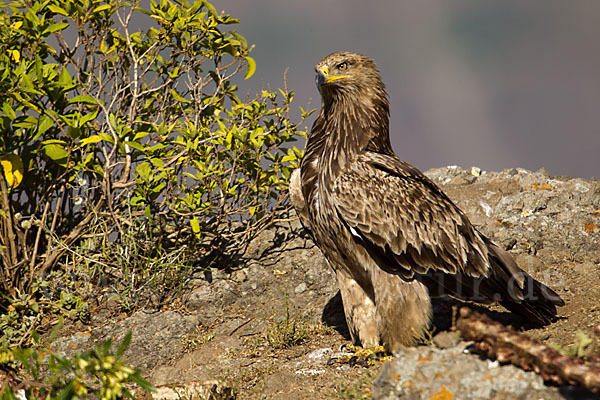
(411, 228)
(415, 226)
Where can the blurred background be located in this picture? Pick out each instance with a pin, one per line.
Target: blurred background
(489, 83)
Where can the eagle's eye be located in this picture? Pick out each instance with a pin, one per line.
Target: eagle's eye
(342, 66)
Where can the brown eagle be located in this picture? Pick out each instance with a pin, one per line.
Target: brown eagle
(391, 235)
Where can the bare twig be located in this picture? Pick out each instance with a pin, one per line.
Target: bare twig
(75, 234)
(37, 240)
(9, 234)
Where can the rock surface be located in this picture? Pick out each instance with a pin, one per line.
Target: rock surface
(220, 330)
(458, 374)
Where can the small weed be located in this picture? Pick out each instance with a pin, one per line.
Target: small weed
(426, 337)
(358, 387)
(287, 332)
(583, 347)
(26, 311)
(198, 338)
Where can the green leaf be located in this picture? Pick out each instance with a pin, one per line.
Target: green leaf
(85, 99)
(57, 10)
(136, 145)
(7, 109)
(251, 67)
(124, 345)
(143, 171)
(101, 8)
(44, 123)
(90, 140)
(55, 330)
(243, 41)
(64, 78)
(177, 97)
(88, 117)
(56, 27)
(56, 152)
(211, 9)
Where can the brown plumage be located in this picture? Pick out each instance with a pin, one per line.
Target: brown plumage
(391, 235)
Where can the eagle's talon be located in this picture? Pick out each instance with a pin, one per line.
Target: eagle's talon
(360, 357)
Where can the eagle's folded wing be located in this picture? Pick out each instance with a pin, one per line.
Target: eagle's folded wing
(406, 221)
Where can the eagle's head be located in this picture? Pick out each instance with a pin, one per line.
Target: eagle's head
(346, 72)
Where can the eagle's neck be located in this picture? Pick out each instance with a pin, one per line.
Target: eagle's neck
(351, 123)
(348, 124)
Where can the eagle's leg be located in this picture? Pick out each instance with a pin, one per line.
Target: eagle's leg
(360, 311)
(403, 310)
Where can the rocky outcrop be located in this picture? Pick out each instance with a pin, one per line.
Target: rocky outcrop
(550, 224)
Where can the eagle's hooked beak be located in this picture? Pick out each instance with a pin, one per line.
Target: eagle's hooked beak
(323, 77)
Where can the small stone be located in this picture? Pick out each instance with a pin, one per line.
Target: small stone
(543, 171)
(239, 276)
(446, 339)
(300, 288)
(320, 354)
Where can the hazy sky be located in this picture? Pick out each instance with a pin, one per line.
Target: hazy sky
(496, 84)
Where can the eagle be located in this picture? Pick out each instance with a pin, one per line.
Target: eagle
(392, 236)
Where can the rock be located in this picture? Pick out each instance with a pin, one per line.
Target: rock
(260, 244)
(301, 288)
(211, 389)
(156, 337)
(427, 372)
(446, 339)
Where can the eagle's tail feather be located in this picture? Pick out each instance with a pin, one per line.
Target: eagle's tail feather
(523, 294)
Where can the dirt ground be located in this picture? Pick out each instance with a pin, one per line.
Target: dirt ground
(266, 326)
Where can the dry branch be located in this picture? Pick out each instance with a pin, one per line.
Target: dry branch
(506, 345)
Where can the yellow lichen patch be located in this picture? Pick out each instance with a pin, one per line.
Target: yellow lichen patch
(443, 394)
(279, 272)
(545, 186)
(590, 227)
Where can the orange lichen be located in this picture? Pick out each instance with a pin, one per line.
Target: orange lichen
(422, 359)
(545, 186)
(408, 385)
(590, 227)
(443, 394)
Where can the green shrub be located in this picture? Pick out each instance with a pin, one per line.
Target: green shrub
(96, 373)
(118, 147)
